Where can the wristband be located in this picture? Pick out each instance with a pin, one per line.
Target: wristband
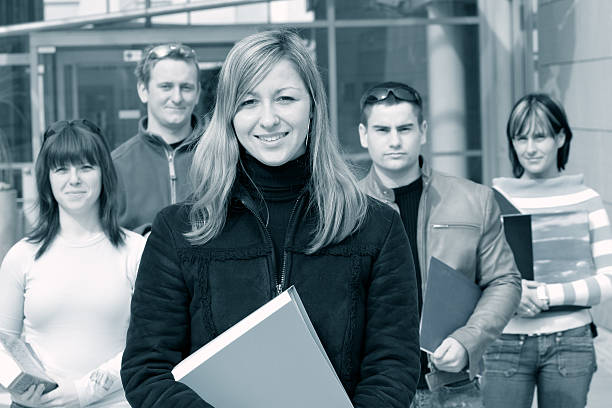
(542, 294)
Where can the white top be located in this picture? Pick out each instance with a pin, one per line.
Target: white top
(73, 306)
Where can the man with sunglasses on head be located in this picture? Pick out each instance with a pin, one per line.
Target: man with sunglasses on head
(153, 166)
(447, 217)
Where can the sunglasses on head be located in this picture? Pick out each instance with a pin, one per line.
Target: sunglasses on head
(57, 127)
(403, 93)
(162, 51)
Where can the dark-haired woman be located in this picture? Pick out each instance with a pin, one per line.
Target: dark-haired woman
(275, 205)
(543, 345)
(66, 287)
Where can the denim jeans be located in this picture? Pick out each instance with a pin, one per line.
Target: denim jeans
(466, 396)
(560, 364)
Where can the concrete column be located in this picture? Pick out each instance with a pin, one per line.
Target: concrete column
(447, 107)
(499, 32)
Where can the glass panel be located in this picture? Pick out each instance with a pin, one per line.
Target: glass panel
(288, 11)
(291, 11)
(107, 96)
(441, 62)
(171, 19)
(55, 9)
(14, 44)
(223, 15)
(15, 114)
(49, 89)
(381, 9)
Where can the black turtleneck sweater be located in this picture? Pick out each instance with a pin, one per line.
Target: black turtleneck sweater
(276, 190)
(407, 199)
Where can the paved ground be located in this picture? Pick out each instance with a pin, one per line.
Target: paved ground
(600, 395)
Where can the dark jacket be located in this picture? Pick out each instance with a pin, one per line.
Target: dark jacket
(459, 223)
(360, 295)
(151, 175)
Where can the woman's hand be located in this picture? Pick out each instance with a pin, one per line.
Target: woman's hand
(31, 397)
(65, 395)
(530, 305)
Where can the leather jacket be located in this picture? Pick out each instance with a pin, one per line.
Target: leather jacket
(459, 223)
(360, 295)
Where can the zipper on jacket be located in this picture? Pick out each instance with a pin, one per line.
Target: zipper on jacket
(268, 236)
(422, 248)
(280, 281)
(455, 225)
(170, 156)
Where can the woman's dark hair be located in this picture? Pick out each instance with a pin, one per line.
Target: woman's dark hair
(537, 109)
(74, 142)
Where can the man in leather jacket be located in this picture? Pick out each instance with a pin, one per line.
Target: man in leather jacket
(447, 217)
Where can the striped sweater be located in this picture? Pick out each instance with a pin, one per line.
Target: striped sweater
(563, 194)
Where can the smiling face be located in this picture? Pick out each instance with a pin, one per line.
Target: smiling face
(170, 95)
(76, 188)
(537, 151)
(273, 118)
(394, 137)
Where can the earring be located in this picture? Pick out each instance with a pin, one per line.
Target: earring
(308, 131)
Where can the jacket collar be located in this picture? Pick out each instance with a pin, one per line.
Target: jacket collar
(158, 140)
(376, 188)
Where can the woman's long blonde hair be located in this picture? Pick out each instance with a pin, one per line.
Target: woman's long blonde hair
(339, 205)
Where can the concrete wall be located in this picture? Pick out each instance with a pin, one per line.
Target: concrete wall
(575, 65)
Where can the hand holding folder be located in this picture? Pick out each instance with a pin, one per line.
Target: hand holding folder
(448, 302)
(548, 247)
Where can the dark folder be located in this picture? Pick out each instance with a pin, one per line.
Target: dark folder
(505, 206)
(517, 228)
(448, 302)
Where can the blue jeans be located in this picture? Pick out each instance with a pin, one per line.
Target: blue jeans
(467, 396)
(560, 364)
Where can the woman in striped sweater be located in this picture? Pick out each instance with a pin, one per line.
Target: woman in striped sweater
(549, 343)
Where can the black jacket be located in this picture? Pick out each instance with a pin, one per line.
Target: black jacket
(360, 295)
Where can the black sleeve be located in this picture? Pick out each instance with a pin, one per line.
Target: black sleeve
(390, 366)
(158, 335)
